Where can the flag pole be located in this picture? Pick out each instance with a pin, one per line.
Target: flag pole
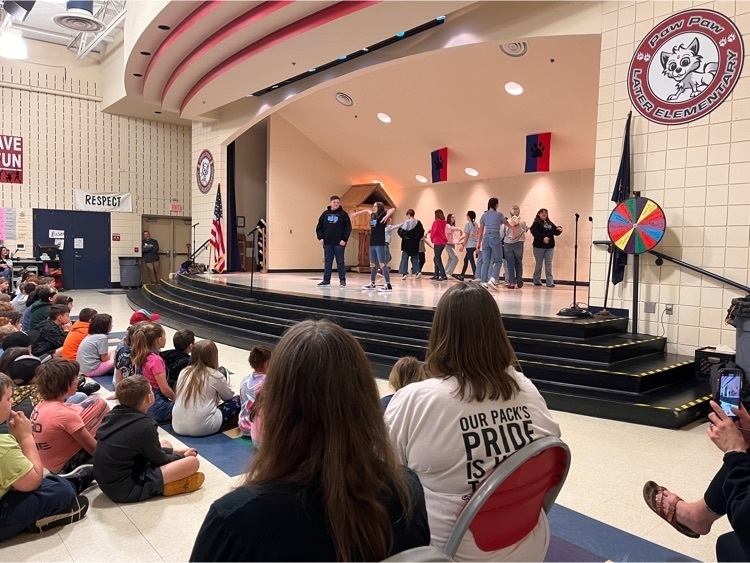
(604, 313)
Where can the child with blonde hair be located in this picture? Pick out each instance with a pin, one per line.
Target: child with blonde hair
(205, 402)
(405, 371)
(250, 421)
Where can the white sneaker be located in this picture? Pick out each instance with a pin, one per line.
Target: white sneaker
(386, 287)
(370, 285)
(493, 283)
(419, 275)
(404, 276)
(484, 285)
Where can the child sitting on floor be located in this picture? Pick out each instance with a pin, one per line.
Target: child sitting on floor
(145, 344)
(78, 332)
(405, 371)
(178, 359)
(93, 353)
(64, 432)
(29, 500)
(201, 388)
(130, 464)
(250, 420)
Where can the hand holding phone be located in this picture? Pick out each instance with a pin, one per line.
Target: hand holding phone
(730, 389)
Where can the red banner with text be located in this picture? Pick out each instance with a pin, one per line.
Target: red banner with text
(11, 159)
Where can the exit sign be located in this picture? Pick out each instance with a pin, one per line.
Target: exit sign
(176, 207)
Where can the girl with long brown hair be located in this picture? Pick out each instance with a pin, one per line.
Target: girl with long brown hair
(145, 344)
(473, 411)
(326, 485)
(205, 402)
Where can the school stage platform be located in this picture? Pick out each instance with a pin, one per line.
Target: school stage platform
(586, 366)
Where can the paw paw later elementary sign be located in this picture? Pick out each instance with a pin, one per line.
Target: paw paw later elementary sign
(11, 159)
(685, 67)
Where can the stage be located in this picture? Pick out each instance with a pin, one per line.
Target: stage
(530, 300)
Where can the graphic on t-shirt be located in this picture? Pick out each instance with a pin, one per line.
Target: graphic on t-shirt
(333, 218)
(373, 222)
(491, 437)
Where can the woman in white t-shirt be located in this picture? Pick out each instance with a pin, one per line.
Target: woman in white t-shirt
(204, 401)
(474, 411)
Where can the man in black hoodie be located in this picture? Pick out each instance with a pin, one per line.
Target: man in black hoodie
(334, 228)
(130, 464)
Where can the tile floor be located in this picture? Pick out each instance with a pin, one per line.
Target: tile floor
(611, 461)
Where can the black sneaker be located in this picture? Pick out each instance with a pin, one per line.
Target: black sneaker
(386, 287)
(343, 283)
(73, 513)
(89, 388)
(81, 477)
(519, 282)
(324, 283)
(370, 285)
(458, 277)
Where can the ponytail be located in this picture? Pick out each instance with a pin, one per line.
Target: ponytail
(142, 341)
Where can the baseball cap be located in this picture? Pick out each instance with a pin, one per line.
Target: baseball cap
(21, 339)
(23, 369)
(142, 315)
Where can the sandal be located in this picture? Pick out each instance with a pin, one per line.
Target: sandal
(665, 512)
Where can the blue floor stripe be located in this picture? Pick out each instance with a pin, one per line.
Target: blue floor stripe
(230, 455)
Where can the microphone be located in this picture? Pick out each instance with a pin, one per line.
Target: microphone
(257, 228)
(591, 219)
(196, 224)
(577, 216)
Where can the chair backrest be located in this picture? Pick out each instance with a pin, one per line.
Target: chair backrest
(507, 505)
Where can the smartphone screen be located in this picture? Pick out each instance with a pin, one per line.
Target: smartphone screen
(729, 392)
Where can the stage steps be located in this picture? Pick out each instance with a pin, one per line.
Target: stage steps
(581, 365)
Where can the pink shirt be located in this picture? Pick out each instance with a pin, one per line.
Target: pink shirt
(437, 232)
(54, 424)
(154, 364)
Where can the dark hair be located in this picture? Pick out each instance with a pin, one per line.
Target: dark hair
(468, 342)
(4, 248)
(410, 212)
(62, 299)
(318, 382)
(335, 197)
(57, 311)
(5, 383)
(182, 339)
(44, 293)
(86, 314)
(471, 215)
(46, 280)
(259, 357)
(55, 377)
(539, 220)
(405, 371)
(10, 355)
(439, 214)
(492, 203)
(100, 324)
(28, 287)
(131, 391)
(380, 208)
(13, 316)
(450, 219)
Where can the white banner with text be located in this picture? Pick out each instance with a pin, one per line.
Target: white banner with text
(103, 202)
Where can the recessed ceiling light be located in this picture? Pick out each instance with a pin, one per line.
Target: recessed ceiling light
(274, 87)
(400, 34)
(420, 178)
(384, 117)
(440, 18)
(471, 171)
(365, 49)
(514, 88)
(312, 70)
(342, 58)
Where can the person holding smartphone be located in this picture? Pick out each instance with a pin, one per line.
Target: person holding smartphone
(727, 494)
(544, 232)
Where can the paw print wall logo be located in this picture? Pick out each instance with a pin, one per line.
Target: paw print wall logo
(685, 67)
(537, 150)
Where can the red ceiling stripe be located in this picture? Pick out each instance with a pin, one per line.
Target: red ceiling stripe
(317, 19)
(198, 14)
(248, 18)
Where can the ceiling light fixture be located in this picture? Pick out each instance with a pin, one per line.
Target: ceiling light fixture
(471, 171)
(342, 58)
(312, 70)
(384, 117)
(440, 18)
(12, 45)
(420, 178)
(514, 88)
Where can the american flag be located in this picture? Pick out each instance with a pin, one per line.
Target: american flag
(217, 235)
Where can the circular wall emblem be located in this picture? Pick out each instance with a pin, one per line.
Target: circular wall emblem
(685, 67)
(204, 172)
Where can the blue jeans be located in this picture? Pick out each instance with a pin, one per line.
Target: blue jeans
(19, 510)
(492, 256)
(161, 410)
(543, 255)
(439, 268)
(514, 262)
(403, 268)
(330, 252)
(7, 273)
(378, 257)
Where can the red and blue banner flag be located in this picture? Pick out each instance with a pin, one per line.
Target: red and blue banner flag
(537, 152)
(439, 160)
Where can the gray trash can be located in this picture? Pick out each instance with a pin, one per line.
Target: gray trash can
(130, 271)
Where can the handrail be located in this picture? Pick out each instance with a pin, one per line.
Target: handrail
(684, 264)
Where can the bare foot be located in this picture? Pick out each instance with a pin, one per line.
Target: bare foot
(695, 515)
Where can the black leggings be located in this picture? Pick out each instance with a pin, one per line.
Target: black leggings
(439, 268)
(729, 547)
(469, 258)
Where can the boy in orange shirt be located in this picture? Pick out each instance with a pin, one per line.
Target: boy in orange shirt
(77, 334)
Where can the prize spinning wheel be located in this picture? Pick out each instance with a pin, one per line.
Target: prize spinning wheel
(636, 225)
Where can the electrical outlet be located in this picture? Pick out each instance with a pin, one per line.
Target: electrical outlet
(650, 307)
(669, 308)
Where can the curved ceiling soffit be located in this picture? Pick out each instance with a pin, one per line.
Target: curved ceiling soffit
(317, 19)
(196, 16)
(248, 18)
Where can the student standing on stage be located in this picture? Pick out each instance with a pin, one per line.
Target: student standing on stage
(411, 233)
(439, 240)
(544, 232)
(513, 239)
(333, 230)
(378, 222)
(453, 236)
(469, 240)
(490, 244)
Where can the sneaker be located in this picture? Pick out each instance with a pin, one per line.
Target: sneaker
(186, 485)
(386, 287)
(324, 283)
(81, 477)
(434, 278)
(535, 283)
(73, 513)
(370, 285)
(519, 282)
(442, 279)
(550, 285)
(493, 283)
(419, 275)
(89, 388)
(342, 283)
(404, 276)
(511, 286)
(484, 285)
(457, 277)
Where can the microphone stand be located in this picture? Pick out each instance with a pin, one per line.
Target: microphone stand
(574, 310)
(253, 265)
(192, 258)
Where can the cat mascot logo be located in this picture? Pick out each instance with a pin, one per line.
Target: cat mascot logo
(685, 67)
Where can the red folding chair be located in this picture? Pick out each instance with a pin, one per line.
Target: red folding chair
(507, 505)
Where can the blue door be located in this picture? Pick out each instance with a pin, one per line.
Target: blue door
(85, 260)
